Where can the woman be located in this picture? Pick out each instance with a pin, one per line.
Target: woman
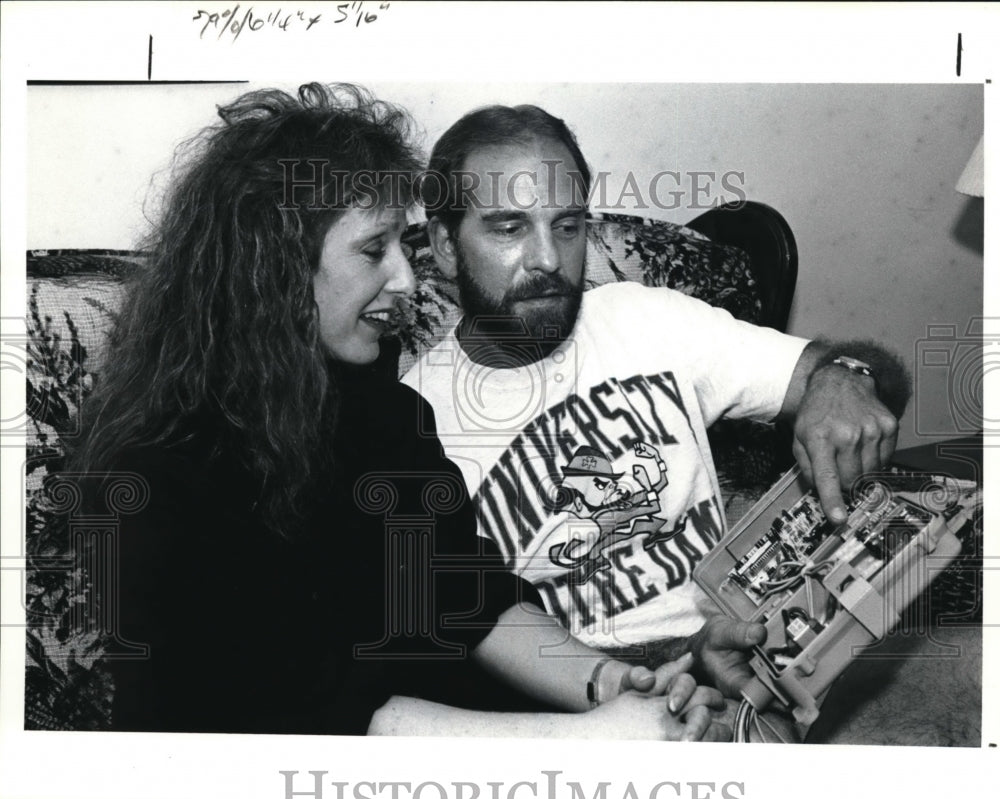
(305, 556)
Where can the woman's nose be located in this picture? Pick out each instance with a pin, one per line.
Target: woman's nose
(401, 280)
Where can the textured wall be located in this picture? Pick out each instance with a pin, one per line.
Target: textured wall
(864, 174)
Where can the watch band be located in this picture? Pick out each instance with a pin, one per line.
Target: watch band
(856, 366)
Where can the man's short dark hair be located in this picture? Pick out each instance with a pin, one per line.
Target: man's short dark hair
(491, 126)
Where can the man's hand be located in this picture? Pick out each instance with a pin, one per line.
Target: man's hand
(720, 651)
(842, 431)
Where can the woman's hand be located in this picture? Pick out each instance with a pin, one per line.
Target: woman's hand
(628, 716)
(641, 679)
(672, 681)
(685, 715)
(638, 716)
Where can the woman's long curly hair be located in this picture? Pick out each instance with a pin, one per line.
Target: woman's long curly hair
(221, 324)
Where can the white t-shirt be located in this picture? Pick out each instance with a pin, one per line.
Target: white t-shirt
(591, 469)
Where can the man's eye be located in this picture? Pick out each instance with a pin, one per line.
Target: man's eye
(569, 227)
(511, 229)
(374, 253)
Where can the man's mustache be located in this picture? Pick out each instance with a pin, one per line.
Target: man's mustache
(540, 286)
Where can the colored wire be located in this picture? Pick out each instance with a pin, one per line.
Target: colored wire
(761, 720)
(746, 718)
(741, 724)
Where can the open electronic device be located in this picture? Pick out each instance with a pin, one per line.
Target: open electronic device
(824, 592)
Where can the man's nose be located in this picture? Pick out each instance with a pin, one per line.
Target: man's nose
(542, 255)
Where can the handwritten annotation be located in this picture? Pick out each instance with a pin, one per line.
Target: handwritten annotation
(235, 20)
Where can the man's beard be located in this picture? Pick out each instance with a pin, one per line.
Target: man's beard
(496, 324)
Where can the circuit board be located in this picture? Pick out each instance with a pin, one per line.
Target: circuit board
(825, 591)
(877, 528)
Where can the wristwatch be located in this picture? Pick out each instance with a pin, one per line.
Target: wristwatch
(856, 366)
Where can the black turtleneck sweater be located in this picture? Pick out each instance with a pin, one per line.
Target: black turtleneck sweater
(249, 631)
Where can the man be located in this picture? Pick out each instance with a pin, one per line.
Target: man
(634, 375)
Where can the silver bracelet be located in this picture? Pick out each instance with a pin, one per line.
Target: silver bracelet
(593, 692)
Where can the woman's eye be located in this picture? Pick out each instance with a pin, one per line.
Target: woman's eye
(374, 253)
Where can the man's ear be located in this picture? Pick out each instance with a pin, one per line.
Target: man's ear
(443, 247)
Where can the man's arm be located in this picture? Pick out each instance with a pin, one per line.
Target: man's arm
(845, 423)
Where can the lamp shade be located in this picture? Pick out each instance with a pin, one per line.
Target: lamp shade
(971, 181)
